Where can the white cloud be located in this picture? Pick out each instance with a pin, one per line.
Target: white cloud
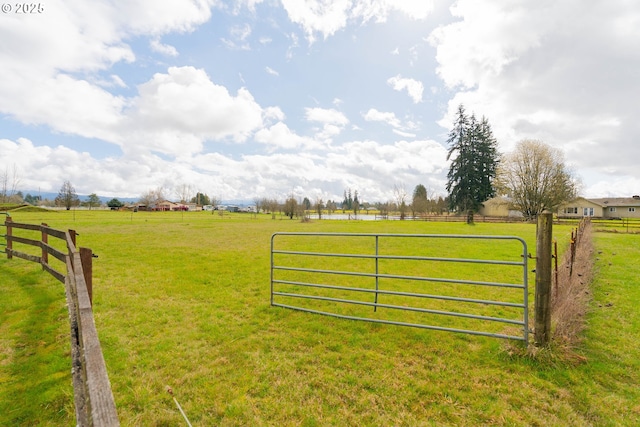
(239, 35)
(368, 166)
(241, 32)
(176, 112)
(113, 81)
(326, 115)
(379, 10)
(374, 115)
(164, 49)
(178, 15)
(323, 16)
(271, 71)
(333, 122)
(404, 134)
(612, 186)
(44, 83)
(279, 136)
(330, 16)
(478, 45)
(376, 167)
(117, 81)
(42, 167)
(68, 105)
(555, 71)
(412, 8)
(399, 128)
(273, 113)
(413, 87)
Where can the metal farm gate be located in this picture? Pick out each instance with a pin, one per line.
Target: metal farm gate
(457, 283)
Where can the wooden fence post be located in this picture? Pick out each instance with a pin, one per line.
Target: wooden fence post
(544, 235)
(45, 241)
(86, 258)
(7, 223)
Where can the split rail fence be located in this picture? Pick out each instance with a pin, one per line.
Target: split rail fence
(93, 398)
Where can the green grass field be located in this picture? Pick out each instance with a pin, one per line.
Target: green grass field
(182, 300)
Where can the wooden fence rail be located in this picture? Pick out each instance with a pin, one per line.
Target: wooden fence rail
(94, 403)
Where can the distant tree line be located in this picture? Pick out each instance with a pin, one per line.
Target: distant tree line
(533, 178)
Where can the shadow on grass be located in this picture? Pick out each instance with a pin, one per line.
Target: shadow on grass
(35, 376)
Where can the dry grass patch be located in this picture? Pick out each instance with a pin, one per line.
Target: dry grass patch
(571, 297)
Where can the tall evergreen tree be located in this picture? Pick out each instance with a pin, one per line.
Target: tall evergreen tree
(355, 203)
(420, 200)
(474, 159)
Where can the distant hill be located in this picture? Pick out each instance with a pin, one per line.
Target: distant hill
(82, 197)
(105, 199)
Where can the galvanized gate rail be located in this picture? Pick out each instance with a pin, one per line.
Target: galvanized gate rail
(521, 263)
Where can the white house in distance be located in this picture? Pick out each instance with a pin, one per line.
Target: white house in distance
(611, 207)
(499, 207)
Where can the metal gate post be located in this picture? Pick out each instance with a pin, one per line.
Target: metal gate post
(272, 238)
(375, 307)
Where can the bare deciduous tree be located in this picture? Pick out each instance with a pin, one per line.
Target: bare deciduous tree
(67, 196)
(215, 201)
(319, 205)
(152, 197)
(290, 207)
(258, 202)
(9, 182)
(400, 196)
(184, 191)
(535, 177)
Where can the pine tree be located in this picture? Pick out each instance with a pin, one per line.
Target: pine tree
(355, 204)
(487, 160)
(474, 159)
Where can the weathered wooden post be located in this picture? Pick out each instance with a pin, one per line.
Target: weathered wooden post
(45, 242)
(86, 258)
(7, 224)
(544, 235)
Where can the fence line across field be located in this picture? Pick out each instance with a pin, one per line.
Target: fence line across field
(279, 268)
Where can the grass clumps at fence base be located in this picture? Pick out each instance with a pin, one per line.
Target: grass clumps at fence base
(570, 301)
(572, 294)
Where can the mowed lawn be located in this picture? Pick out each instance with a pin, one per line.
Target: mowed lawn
(182, 300)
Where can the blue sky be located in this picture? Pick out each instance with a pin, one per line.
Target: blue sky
(269, 98)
